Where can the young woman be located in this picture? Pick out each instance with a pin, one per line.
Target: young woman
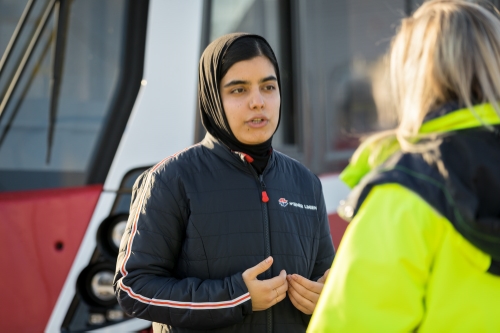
(422, 251)
(214, 229)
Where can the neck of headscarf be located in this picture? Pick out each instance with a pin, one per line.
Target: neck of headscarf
(260, 153)
(212, 112)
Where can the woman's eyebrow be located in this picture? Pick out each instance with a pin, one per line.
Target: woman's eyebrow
(269, 78)
(237, 82)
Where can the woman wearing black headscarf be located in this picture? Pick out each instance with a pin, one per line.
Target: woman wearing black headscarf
(214, 229)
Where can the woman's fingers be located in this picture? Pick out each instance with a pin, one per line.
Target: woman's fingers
(323, 278)
(302, 289)
(261, 267)
(279, 285)
(265, 293)
(315, 287)
(304, 293)
(280, 290)
(304, 296)
(279, 281)
(298, 301)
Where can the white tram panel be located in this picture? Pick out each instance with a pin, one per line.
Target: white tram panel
(161, 123)
(163, 119)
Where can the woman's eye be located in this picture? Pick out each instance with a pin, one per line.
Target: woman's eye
(237, 91)
(270, 87)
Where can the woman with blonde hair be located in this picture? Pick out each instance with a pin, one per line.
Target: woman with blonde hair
(422, 251)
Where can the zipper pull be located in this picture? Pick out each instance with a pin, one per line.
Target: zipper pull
(265, 198)
(248, 158)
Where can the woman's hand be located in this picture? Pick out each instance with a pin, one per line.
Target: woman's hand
(304, 293)
(265, 293)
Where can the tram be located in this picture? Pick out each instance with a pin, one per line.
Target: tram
(93, 92)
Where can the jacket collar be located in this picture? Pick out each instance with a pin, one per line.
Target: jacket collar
(454, 120)
(235, 158)
(443, 120)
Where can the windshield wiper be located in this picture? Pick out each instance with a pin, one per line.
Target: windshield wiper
(62, 11)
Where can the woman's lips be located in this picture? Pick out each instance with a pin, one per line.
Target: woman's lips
(257, 122)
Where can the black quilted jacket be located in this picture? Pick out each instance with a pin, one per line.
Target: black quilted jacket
(198, 220)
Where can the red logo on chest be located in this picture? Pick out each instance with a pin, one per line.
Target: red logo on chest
(283, 202)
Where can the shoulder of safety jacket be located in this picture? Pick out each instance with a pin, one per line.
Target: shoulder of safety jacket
(460, 186)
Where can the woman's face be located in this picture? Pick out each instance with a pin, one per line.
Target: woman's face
(251, 100)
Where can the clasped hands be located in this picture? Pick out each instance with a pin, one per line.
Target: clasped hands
(303, 293)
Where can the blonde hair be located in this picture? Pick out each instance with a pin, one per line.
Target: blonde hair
(446, 51)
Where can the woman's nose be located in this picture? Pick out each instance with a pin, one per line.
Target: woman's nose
(256, 100)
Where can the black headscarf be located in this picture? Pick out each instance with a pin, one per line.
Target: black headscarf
(212, 112)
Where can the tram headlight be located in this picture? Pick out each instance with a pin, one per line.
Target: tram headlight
(95, 285)
(110, 235)
(96, 319)
(101, 285)
(115, 315)
(117, 233)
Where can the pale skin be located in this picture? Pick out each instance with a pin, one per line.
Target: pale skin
(265, 293)
(251, 100)
(304, 293)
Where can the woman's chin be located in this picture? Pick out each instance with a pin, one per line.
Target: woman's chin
(254, 140)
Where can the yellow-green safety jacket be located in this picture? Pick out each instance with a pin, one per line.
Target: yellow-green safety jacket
(422, 250)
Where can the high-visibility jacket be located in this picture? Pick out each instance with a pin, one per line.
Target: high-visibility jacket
(408, 262)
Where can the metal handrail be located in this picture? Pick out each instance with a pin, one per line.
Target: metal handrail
(15, 35)
(26, 57)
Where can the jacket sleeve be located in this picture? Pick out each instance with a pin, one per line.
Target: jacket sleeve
(378, 279)
(326, 252)
(145, 283)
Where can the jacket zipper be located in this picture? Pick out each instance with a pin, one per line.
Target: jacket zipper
(264, 200)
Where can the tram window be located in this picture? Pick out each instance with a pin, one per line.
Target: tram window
(10, 11)
(359, 70)
(346, 76)
(357, 78)
(270, 19)
(91, 65)
(340, 54)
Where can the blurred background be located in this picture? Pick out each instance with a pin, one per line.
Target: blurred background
(93, 92)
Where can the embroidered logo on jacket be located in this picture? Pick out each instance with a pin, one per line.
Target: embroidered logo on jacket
(283, 202)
